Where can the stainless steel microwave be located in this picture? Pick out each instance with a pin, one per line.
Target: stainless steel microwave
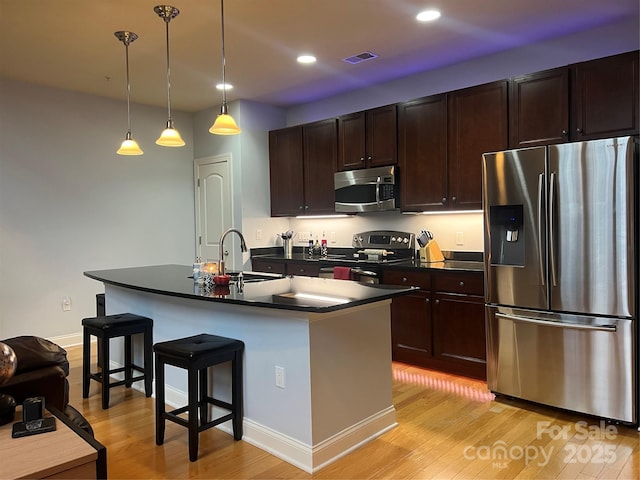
(368, 190)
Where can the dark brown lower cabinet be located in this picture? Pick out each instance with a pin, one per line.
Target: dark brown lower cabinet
(459, 333)
(411, 328)
(260, 265)
(306, 269)
(441, 326)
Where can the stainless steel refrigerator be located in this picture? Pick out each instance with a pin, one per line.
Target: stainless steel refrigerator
(561, 275)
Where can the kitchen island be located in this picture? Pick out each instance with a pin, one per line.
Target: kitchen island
(317, 363)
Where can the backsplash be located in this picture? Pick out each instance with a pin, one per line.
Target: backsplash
(452, 231)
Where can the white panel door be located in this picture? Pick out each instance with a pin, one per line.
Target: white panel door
(213, 206)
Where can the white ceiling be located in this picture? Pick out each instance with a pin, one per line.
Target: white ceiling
(70, 43)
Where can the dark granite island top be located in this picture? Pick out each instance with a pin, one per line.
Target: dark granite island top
(286, 293)
(317, 358)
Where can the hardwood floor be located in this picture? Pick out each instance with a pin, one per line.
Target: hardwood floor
(449, 428)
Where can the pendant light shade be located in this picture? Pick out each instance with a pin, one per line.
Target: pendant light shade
(224, 124)
(170, 137)
(129, 146)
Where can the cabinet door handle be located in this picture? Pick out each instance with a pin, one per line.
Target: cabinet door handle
(453, 199)
(579, 130)
(302, 270)
(427, 300)
(269, 267)
(369, 158)
(444, 200)
(461, 284)
(565, 133)
(404, 279)
(300, 207)
(437, 302)
(362, 159)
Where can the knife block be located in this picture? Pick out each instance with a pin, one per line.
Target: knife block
(431, 253)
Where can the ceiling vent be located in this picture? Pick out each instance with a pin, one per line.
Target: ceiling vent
(361, 57)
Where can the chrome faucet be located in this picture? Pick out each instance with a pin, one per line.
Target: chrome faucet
(243, 247)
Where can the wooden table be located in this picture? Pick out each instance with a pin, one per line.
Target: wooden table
(68, 452)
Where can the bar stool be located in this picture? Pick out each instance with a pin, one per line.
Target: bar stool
(196, 354)
(105, 328)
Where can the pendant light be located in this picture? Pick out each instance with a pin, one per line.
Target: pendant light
(170, 136)
(224, 124)
(129, 146)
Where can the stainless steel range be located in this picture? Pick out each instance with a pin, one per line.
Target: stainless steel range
(371, 250)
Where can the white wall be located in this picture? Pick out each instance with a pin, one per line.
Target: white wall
(69, 204)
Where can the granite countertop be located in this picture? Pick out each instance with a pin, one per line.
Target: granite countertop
(317, 295)
(463, 261)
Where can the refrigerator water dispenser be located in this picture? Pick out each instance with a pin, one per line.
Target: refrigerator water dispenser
(507, 243)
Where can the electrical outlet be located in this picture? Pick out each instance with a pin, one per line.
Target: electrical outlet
(66, 304)
(303, 237)
(279, 377)
(459, 238)
(332, 237)
(259, 234)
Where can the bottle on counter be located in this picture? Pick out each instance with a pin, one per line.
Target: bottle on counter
(197, 271)
(317, 249)
(324, 250)
(310, 249)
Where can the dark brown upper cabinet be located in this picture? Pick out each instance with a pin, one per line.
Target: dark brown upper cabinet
(422, 153)
(539, 108)
(478, 123)
(583, 101)
(286, 171)
(604, 97)
(441, 140)
(302, 161)
(367, 139)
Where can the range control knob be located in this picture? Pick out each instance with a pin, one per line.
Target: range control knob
(405, 240)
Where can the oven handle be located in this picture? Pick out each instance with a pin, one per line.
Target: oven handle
(546, 323)
(367, 273)
(356, 270)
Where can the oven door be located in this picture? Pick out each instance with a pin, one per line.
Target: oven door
(364, 275)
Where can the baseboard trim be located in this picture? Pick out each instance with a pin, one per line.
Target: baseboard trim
(70, 340)
(306, 457)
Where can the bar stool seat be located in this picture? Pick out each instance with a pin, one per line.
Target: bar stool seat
(196, 354)
(105, 328)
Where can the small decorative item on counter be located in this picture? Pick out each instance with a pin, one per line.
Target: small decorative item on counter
(209, 270)
(197, 270)
(317, 249)
(310, 250)
(221, 279)
(323, 247)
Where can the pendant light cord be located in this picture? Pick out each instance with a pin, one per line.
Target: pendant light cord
(224, 81)
(166, 21)
(126, 54)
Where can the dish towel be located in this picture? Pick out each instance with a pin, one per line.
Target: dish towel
(342, 273)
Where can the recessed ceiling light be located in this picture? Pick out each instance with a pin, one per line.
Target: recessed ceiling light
(224, 86)
(306, 59)
(428, 15)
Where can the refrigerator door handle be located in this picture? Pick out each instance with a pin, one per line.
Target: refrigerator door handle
(552, 222)
(546, 323)
(540, 227)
